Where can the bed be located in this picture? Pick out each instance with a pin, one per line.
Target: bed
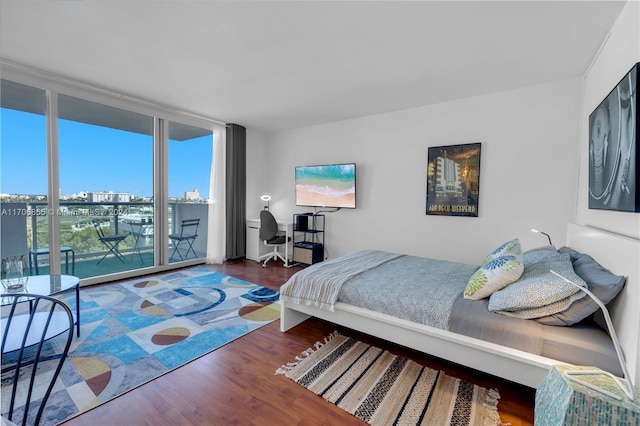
(520, 358)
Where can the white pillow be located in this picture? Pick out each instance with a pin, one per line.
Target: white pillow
(493, 276)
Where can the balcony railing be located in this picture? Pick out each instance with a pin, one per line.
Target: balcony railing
(78, 233)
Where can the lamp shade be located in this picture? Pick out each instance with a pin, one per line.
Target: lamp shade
(266, 198)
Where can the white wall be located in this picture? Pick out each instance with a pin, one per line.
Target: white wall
(618, 54)
(257, 172)
(528, 172)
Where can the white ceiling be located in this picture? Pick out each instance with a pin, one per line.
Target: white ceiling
(273, 65)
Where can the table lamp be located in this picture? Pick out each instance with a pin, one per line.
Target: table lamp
(543, 233)
(266, 199)
(625, 384)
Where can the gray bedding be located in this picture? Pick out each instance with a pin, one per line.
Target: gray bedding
(412, 288)
(429, 291)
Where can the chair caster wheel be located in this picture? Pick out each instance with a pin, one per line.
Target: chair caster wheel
(264, 266)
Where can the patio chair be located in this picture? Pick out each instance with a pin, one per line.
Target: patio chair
(186, 237)
(110, 241)
(37, 331)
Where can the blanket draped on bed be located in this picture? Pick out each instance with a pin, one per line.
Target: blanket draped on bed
(319, 284)
(412, 288)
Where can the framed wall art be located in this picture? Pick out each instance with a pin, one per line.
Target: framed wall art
(453, 180)
(613, 154)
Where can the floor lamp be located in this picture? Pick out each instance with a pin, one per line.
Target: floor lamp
(625, 384)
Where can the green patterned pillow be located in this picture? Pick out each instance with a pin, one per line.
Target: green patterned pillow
(510, 247)
(494, 275)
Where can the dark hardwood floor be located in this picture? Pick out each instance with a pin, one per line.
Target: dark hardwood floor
(236, 385)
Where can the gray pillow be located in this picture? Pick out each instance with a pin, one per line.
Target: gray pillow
(538, 292)
(602, 283)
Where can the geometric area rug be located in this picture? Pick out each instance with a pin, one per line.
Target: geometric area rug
(135, 331)
(380, 388)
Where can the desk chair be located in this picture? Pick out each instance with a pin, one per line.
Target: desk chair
(110, 241)
(270, 237)
(36, 335)
(188, 234)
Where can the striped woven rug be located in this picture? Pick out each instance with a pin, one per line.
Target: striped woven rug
(380, 388)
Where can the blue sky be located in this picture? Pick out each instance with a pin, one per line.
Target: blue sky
(94, 158)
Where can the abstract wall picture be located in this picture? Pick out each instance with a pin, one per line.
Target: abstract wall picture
(613, 154)
(453, 180)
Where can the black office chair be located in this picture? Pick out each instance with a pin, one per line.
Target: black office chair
(37, 332)
(270, 237)
(188, 234)
(110, 241)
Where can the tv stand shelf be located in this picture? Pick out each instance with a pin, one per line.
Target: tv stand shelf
(308, 238)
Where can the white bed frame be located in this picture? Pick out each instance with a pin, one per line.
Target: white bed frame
(617, 253)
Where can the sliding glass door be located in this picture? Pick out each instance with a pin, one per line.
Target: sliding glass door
(106, 186)
(24, 224)
(110, 186)
(189, 158)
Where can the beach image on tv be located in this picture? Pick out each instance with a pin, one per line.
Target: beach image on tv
(326, 186)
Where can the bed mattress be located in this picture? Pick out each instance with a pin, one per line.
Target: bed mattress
(429, 292)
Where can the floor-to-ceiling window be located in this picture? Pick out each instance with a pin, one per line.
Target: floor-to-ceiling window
(189, 158)
(136, 171)
(23, 170)
(105, 162)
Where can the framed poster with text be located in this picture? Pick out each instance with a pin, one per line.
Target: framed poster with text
(453, 180)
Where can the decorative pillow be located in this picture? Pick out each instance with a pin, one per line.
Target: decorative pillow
(602, 283)
(510, 247)
(538, 292)
(535, 255)
(493, 276)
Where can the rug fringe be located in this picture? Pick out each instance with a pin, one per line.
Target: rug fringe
(305, 354)
(492, 417)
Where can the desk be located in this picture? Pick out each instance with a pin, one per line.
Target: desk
(255, 247)
(33, 254)
(48, 285)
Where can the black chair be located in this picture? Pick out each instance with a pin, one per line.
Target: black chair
(110, 241)
(37, 332)
(270, 237)
(188, 234)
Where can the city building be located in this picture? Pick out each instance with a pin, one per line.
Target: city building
(108, 197)
(192, 195)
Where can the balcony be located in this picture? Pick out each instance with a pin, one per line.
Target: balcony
(25, 228)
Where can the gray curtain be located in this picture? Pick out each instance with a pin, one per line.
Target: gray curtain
(236, 191)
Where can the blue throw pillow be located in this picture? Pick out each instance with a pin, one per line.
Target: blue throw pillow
(539, 293)
(602, 283)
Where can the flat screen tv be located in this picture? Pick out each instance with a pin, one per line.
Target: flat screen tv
(330, 185)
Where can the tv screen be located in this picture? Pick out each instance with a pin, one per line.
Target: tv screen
(331, 185)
